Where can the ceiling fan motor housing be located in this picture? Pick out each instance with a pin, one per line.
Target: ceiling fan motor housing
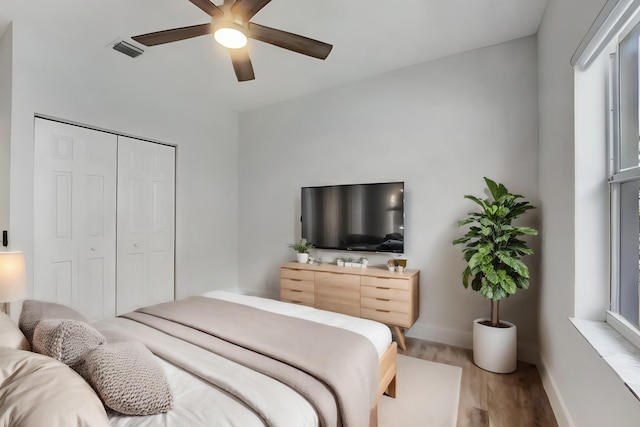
(230, 31)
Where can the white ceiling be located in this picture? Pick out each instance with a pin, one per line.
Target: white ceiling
(370, 37)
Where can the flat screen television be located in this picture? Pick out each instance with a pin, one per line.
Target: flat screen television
(355, 217)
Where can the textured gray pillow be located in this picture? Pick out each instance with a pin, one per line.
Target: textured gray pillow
(128, 379)
(34, 311)
(65, 340)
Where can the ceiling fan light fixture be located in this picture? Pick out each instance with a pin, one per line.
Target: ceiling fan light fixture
(230, 35)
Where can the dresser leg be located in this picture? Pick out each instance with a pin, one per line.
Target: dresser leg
(400, 335)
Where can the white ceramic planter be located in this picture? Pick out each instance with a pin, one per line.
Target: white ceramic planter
(302, 258)
(495, 349)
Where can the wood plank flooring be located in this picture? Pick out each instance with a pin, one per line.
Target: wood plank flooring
(487, 399)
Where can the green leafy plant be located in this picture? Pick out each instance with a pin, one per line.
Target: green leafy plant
(493, 248)
(301, 246)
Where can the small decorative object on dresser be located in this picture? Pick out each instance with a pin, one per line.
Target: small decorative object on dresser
(492, 250)
(391, 265)
(302, 250)
(371, 293)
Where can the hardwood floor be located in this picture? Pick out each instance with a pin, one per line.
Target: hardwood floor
(487, 399)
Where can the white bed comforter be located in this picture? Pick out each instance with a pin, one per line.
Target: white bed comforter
(200, 404)
(378, 333)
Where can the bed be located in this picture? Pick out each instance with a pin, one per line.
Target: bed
(227, 360)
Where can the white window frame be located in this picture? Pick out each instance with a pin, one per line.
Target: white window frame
(616, 19)
(618, 176)
(617, 341)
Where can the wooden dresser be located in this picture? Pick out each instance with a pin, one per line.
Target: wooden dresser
(371, 293)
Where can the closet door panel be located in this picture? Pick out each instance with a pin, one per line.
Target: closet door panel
(74, 219)
(162, 238)
(146, 198)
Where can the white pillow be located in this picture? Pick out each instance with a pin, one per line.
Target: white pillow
(37, 391)
(10, 335)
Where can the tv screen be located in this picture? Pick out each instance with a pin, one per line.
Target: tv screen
(356, 217)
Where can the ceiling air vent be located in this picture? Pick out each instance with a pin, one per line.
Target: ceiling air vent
(128, 49)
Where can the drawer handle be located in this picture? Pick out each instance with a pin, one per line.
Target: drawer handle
(296, 280)
(383, 278)
(382, 287)
(296, 302)
(383, 311)
(383, 299)
(296, 290)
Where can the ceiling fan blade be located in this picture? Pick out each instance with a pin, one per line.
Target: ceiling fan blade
(208, 7)
(248, 8)
(168, 36)
(290, 41)
(242, 64)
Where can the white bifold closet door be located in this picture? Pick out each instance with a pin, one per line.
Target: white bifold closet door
(146, 212)
(103, 221)
(75, 218)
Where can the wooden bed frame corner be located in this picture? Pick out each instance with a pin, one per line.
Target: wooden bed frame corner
(387, 370)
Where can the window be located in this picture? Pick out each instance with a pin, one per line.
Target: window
(607, 188)
(624, 181)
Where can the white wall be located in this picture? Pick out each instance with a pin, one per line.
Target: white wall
(52, 81)
(440, 127)
(5, 125)
(583, 390)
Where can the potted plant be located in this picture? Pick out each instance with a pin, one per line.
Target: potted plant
(302, 250)
(364, 261)
(493, 250)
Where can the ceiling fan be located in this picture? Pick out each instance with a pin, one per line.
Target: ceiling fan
(231, 27)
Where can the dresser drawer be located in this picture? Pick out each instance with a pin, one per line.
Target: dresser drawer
(386, 293)
(337, 280)
(293, 274)
(299, 285)
(385, 282)
(297, 296)
(387, 317)
(385, 304)
(338, 292)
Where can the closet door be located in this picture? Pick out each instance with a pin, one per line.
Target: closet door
(74, 218)
(146, 229)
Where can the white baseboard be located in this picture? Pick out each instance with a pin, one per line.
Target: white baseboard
(555, 398)
(526, 352)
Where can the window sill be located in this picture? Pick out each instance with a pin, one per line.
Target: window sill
(621, 355)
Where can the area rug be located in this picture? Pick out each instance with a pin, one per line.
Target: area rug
(427, 395)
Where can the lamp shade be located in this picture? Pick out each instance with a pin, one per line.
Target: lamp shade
(13, 276)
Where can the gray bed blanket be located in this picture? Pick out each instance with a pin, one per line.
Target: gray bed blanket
(331, 365)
